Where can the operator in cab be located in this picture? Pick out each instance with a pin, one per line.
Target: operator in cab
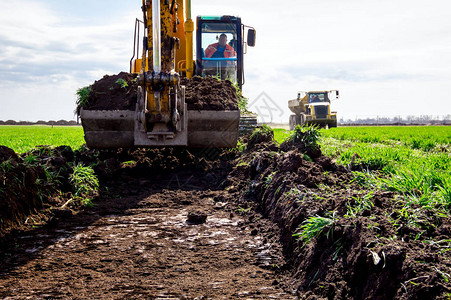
(220, 49)
(315, 99)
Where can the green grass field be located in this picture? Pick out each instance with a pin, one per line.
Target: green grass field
(413, 161)
(416, 137)
(25, 138)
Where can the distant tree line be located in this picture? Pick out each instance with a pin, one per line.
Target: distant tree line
(397, 120)
(49, 123)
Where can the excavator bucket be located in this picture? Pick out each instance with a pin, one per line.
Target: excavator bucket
(218, 129)
(108, 128)
(118, 129)
(204, 113)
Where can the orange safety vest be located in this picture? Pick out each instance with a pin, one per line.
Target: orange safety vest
(228, 51)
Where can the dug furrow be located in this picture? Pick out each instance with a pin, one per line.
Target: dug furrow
(142, 246)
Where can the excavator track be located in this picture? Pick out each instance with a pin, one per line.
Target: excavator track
(248, 122)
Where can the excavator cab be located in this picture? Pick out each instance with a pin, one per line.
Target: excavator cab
(222, 61)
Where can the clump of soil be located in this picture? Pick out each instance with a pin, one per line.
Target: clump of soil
(262, 137)
(115, 92)
(196, 217)
(305, 140)
(208, 93)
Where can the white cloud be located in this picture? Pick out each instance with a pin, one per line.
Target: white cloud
(45, 60)
(51, 44)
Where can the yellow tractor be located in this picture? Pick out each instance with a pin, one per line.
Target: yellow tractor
(313, 108)
(161, 117)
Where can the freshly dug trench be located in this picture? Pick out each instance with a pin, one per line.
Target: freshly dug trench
(135, 242)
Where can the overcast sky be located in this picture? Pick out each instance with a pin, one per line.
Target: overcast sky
(387, 57)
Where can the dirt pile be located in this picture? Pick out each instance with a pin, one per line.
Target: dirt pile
(115, 92)
(210, 93)
(21, 188)
(157, 162)
(260, 138)
(35, 186)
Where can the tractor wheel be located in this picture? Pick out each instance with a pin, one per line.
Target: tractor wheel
(292, 122)
(301, 119)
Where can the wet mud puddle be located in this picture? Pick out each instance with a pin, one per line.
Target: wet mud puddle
(149, 251)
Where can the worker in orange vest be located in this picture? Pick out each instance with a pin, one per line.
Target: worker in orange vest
(220, 49)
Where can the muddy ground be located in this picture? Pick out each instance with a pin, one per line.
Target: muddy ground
(137, 243)
(146, 236)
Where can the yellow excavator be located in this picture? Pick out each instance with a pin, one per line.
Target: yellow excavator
(161, 117)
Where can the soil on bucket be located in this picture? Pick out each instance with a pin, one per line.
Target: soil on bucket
(113, 92)
(119, 92)
(209, 93)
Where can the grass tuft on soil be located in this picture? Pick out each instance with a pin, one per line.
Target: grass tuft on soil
(40, 181)
(261, 135)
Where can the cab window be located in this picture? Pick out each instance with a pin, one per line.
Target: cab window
(317, 97)
(218, 46)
